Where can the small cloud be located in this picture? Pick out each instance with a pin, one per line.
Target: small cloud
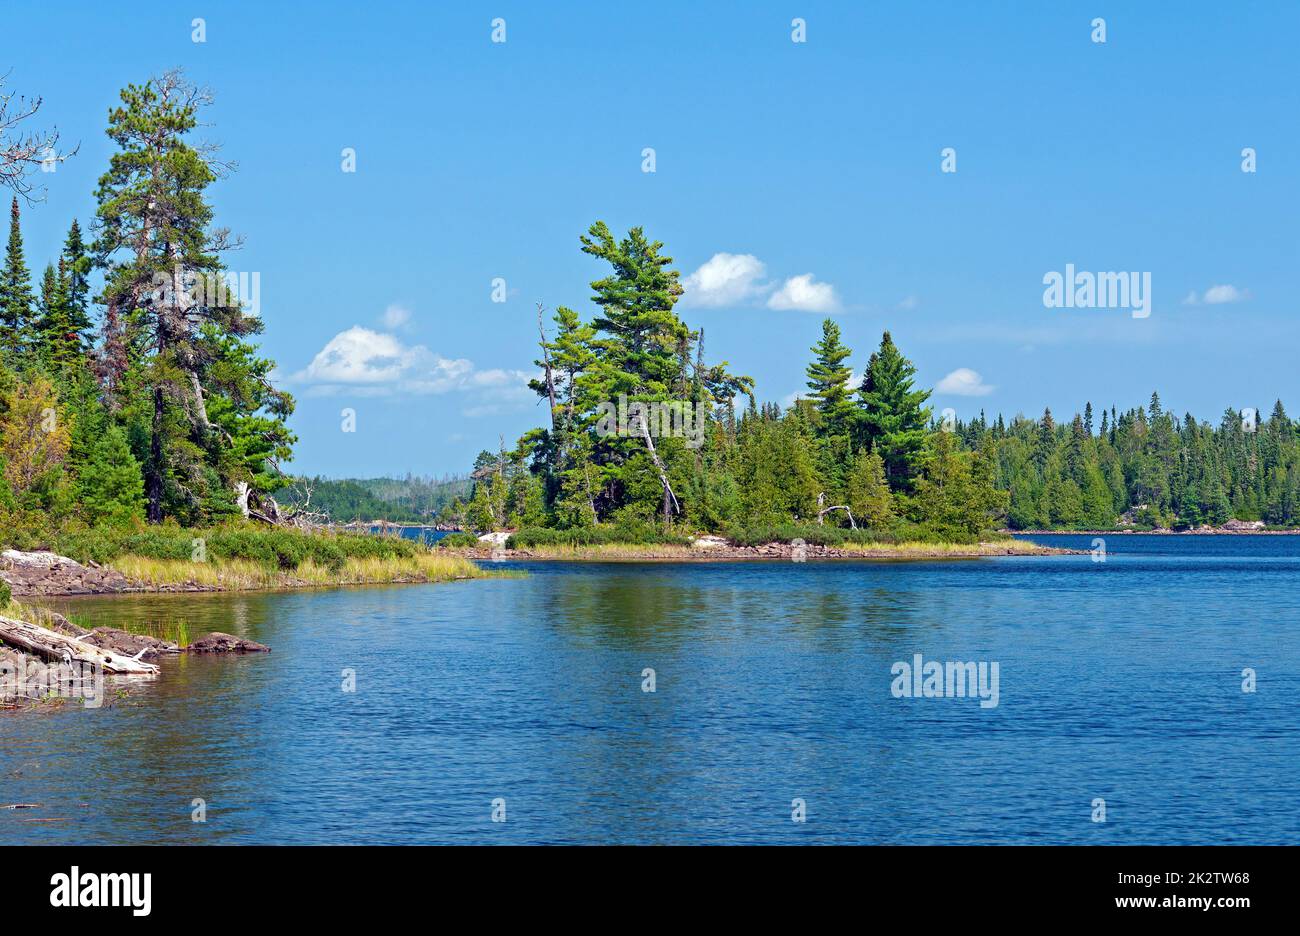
(371, 363)
(804, 294)
(395, 316)
(908, 304)
(725, 279)
(963, 382)
(1218, 295)
(359, 356)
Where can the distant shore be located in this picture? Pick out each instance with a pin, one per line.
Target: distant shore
(716, 551)
(1216, 531)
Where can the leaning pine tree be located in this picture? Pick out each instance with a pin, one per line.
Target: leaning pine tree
(174, 354)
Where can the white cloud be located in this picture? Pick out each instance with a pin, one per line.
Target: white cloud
(804, 294)
(908, 304)
(963, 382)
(725, 279)
(1218, 295)
(371, 363)
(395, 316)
(359, 356)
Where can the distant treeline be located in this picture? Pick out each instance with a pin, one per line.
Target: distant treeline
(1144, 466)
(402, 500)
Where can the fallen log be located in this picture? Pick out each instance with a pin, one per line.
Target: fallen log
(60, 648)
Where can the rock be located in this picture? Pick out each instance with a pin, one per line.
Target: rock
(45, 573)
(1243, 526)
(225, 643)
(119, 641)
(494, 539)
(709, 542)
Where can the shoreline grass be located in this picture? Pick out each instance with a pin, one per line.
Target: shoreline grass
(248, 575)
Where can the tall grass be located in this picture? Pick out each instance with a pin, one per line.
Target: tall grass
(247, 575)
(278, 548)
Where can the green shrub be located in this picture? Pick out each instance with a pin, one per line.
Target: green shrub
(627, 532)
(458, 541)
(826, 535)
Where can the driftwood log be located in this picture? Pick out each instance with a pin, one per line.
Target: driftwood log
(59, 648)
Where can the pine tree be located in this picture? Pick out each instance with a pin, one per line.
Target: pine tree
(166, 342)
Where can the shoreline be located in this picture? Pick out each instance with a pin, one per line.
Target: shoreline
(634, 552)
(43, 575)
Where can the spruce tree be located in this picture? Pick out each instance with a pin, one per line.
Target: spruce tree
(894, 415)
(828, 379)
(16, 298)
(110, 488)
(77, 264)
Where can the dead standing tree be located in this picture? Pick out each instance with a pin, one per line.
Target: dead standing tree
(20, 151)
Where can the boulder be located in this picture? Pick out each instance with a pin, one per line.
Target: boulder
(225, 643)
(709, 542)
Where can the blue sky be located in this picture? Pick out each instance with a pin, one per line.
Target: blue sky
(817, 162)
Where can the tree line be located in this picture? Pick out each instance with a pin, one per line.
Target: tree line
(871, 456)
(146, 398)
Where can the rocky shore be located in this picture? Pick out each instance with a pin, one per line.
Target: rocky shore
(46, 574)
(59, 656)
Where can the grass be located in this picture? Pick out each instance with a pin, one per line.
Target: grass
(249, 575)
(177, 630)
(283, 549)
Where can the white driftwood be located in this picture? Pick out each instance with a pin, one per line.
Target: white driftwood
(57, 647)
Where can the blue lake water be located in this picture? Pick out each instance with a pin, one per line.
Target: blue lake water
(1118, 680)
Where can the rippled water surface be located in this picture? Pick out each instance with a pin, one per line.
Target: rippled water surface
(1119, 680)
